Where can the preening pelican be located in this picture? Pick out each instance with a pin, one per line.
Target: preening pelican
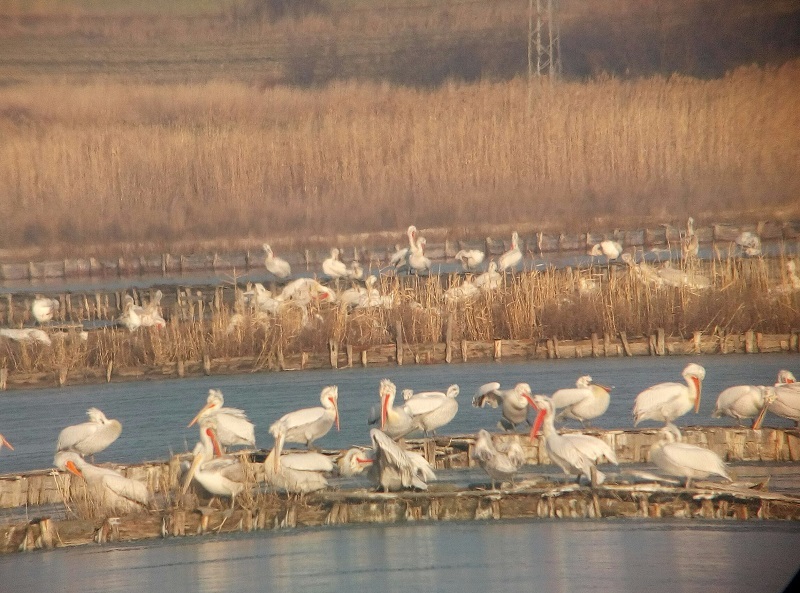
(108, 489)
(220, 475)
(501, 462)
(308, 424)
(304, 291)
(231, 425)
(135, 316)
(586, 401)
(576, 454)
(395, 421)
(611, 249)
(297, 473)
(4, 442)
(787, 401)
(668, 401)
(491, 279)
(333, 267)
(275, 265)
(44, 308)
(352, 297)
(744, 401)
(416, 257)
(89, 437)
(511, 258)
(262, 299)
(470, 258)
(432, 409)
(392, 468)
(462, 293)
(684, 460)
(514, 402)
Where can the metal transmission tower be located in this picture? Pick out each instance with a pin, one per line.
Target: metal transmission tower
(544, 39)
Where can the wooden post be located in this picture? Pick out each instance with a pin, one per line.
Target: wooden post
(207, 364)
(696, 338)
(349, 349)
(550, 349)
(606, 344)
(364, 358)
(448, 340)
(62, 376)
(68, 305)
(398, 333)
(181, 369)
(555, 347)
(109, 370)
(98, 300)
(626, 347)
(660, 343)
(334, 351)
(595, 345)
(3, 379)
(750, 342)
(10, 314)
(464, 350)
(303, 359)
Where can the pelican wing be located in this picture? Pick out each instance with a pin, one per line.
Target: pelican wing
(696, 458)
(126, 488)
(234, 428)
(564, 398)
(488, 395)
(424, 404)
(594, 448)
(420, 467)
(656, 396)
(307, 462)
(390, 455)
(297, 419)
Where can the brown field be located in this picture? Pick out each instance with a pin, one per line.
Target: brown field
(147, 128)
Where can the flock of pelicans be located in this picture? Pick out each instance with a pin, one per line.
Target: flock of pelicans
(390, 466)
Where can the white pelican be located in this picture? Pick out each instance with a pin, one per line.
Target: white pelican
(89, 437)
(679, 278)
(308, 424)
(511, 258)
(785, 376)
(4, 442)
(416, 257)
(576, 454)
(108, 489)
(470, 258)
(749, 242)
(333, 267)
(514, 402)
(353, 296)
(304, 291)
(585, 401)
(44, 308)
(787, 399)
(432, 409)
(791, 283)
(491, 279)
(611, 249)
(690, 245)
(223, 475)
(134, 316)
(262, 299)
(26, 334)
(744, 401)
(231, 425)
(275, 265)
(400, 257)
(668, 401)
(392, 468)
(395, 421)
(501, 462)
(462, 293)
(297, 473)
(684, 460)
(644, 271)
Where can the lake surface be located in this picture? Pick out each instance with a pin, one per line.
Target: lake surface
(154, 414)
(610, 556)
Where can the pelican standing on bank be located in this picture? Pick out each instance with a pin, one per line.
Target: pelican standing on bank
(308, 424)
(501, 462)
(89, 437)
(576, 454)
(333, 267)
(297, 473)
(231, 425)
(470, 258)
(395, 421)
(586, 401)
(221, 475)
(392, 468)
(276, 266)
(44, 308)
(432, 409)
(684, 460)
(668, 401)
(108, 489)
(511, 258)
(744, 401)
(514, 402)
(417, 261)
(611, 249)
(400, 257)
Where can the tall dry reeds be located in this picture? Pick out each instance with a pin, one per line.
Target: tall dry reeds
(157, 164)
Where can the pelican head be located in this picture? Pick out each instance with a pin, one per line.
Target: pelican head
(583, 381)
(785, 376)
(387, 393)
(330, 399)
(95, 415)
(694, 374)
(69, 461)
(453, 391)
(214, 401)
(544, 406)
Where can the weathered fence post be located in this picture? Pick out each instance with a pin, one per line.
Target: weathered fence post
(334, 352)
(398, 333)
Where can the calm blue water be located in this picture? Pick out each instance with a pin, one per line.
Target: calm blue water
(526, 556)
(154, 414)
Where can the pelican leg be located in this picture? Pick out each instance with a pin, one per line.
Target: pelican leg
(506, 425)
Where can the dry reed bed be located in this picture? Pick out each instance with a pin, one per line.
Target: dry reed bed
(164, 163)
(530, 306)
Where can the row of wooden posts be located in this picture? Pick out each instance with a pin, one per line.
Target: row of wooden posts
(536, 243)
(399, 353)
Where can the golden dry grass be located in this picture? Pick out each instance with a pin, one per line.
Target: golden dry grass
(157, 164)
